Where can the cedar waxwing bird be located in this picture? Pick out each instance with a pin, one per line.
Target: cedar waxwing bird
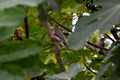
(100, 44)
(18, 35)
(58, 33)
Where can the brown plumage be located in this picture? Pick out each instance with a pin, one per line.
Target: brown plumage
(100, 44)
(59, 36)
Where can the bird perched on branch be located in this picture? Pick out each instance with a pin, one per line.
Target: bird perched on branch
(58, 36)
(19, 33)
(100, 44)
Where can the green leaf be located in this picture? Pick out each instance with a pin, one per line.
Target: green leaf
(55, 5)
(113, 76)
(96, 63)
(101, 20)
(32, 66)
(115, 58)
(107, 2)
(11, 72)
(102, 70)
(74, 69)
(34, 71)
(43, 16)
(112, 51)
(72, 56)
(11, 3)
(79, 1)
(6, 32)
(16, 50)
(22, 69)
(68, 3)
(11, 17)
(81, 75)
(60, 76)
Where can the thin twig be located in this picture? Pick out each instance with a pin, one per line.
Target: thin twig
(61, 25)
(90, 69)
(96, 46)
(109, 37)
(114, 33)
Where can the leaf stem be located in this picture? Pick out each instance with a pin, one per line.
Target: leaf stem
(26, 27)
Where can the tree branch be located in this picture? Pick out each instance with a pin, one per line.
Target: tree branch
(55, 48)
(114, 33)
(106, 35)
(89, 69)
(58, 57)
(61, 25)
(96, 46)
